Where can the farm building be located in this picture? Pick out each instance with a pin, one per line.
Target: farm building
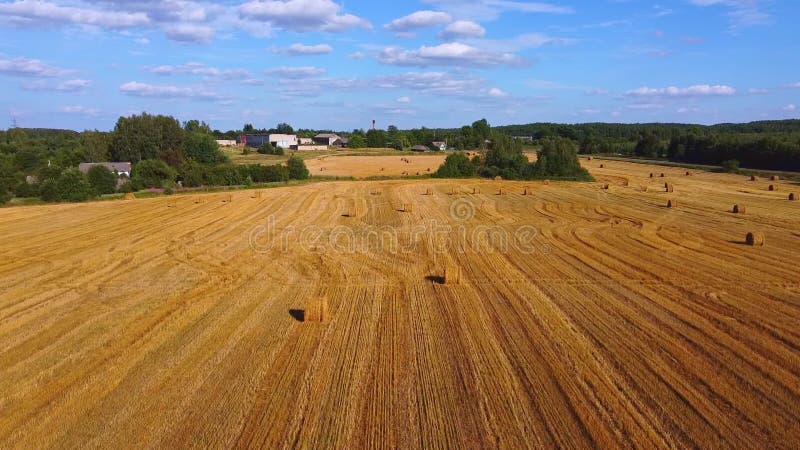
(277, 140)
(226, 142)
(331, 140)
(120, 168)
(420, 148)
(441, 145)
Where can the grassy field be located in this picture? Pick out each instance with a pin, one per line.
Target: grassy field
(236, 156)
(584, 316)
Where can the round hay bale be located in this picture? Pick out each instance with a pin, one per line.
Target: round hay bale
(739, 209)
(775, 178)
(663, 175)
(501, 192)
(476, 190)
(227, 198)
(428, 191)
(652, 175)
(606, 187)
(792, 197)
(498, 178)
(408, 207)
(602, 166)
(130, 196)
(589, 158)
(546, 182)
(755, 239)
(672, 203)
(527, 191)
(452, 274)
(753, 178)
(669, 187)
(688, 174)
(316, 310)
(773, 188)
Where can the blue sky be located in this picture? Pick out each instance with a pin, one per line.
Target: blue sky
(328, 64)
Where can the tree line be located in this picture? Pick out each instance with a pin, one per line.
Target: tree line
(165, 155)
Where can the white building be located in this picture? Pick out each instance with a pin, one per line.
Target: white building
(283, 140)
(226, 143)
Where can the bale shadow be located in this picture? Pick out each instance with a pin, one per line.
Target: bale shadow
(738, 242)
(435, 279)
(298, 314)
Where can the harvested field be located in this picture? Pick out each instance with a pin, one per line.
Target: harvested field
(615, 322)
(368, 166)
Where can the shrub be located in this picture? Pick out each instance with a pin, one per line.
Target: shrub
(102, 180)
(730, 166)
(456, 165)
(71, 186)
(266, 149)
(25, 190)
(152, 173)
(297, 168)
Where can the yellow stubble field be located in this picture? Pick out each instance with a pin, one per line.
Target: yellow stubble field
(581, 316)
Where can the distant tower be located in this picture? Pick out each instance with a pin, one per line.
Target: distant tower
(373, 124)
(13, 122)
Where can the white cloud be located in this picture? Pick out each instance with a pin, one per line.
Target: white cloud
(77, 109)
(701, 90)
(449, 54)
(187, 32)
(302, 15)
(741, 13)
(757, 91)
(137, 89)
(419, 19)
(295, 73)
(497, 93)
(22, 66)
(793, 85)
(357, 55)
(303, 50)
(141, 41)
(462, 29)
(404, 100)
(790, 107)
(483, 10)
(42, 13)
(195, 68)
(64, 86)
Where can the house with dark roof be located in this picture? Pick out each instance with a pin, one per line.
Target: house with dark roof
(420, 148)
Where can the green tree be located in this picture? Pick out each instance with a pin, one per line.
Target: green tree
(195, 126)
(297, 168)
(505, 156)
(95, 145)
(248, 128)
(481, 131)
(376, 139)
(649, 146)
(558, 158)
(6, 179)
(203, 148)
(284, 128)
(153, 173)
(71, 186)
(102, 180)
(137, 138)
(357, 141)
(456, 165)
